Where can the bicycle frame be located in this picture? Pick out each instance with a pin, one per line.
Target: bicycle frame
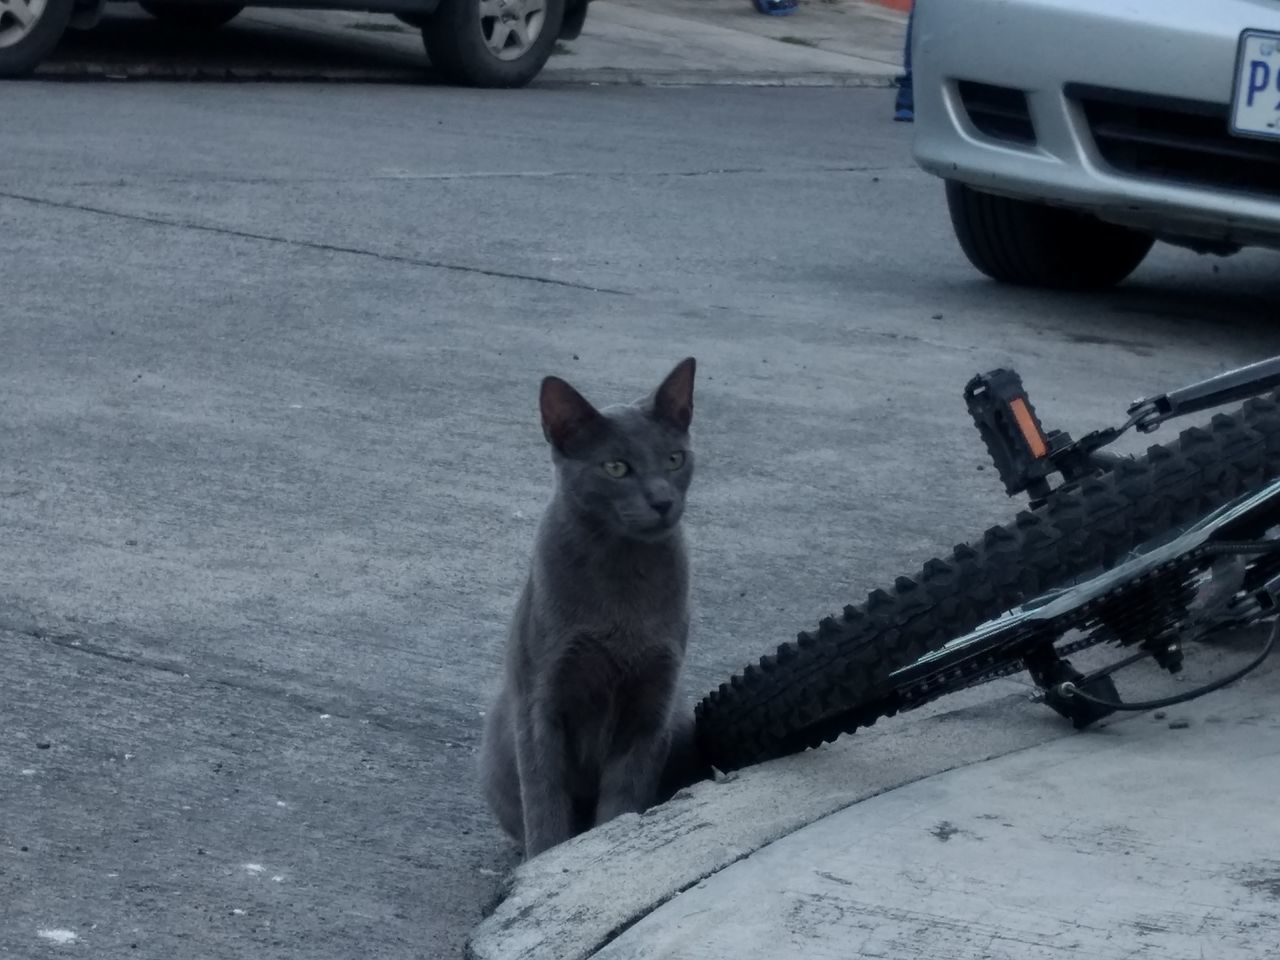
(1238, 384)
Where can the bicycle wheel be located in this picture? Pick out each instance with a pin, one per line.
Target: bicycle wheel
(830, 681)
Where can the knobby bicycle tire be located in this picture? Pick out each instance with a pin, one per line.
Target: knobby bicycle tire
(832, 680)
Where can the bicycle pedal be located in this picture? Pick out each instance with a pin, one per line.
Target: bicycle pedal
(1079, 711)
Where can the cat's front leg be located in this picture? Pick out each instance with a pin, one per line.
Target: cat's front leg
(548, 807)
(629, 780)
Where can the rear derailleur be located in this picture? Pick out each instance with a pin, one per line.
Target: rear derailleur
(1059, 680)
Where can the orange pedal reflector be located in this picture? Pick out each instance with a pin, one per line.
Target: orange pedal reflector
(1027, 424)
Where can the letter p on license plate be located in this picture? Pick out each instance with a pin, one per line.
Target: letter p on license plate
(1255, 107)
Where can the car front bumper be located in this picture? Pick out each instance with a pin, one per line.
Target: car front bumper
(1156, 74)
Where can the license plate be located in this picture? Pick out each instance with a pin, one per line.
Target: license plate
(1255, 106)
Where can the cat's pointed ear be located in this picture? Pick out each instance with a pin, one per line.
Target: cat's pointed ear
(673, 400)
(565, 412)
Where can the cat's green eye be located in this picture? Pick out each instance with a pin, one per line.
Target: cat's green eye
(616, 468)
(675, 460)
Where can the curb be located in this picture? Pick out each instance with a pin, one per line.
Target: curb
(1055, 854)
(695, 78)
(71, 71)
(552, 908)
(74, 71)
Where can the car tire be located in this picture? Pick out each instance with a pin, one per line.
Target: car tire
(23, 45)
(193, 16)
(1033, 244)
(471, 42)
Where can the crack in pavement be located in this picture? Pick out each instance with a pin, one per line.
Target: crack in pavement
(307, 244)
(77, 643)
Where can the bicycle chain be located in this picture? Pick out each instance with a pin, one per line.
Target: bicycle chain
(986, 666)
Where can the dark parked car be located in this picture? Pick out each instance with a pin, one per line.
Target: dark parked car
(481, 43)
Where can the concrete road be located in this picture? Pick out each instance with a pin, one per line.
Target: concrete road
(270, 463)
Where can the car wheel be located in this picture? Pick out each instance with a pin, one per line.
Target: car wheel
(29, 30)
(194, 16)
(492, 43)
(1032, 244)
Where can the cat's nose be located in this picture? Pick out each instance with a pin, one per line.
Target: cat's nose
(661, 507)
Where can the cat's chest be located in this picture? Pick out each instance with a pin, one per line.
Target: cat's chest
(640, 597)
(613, 678)
(612, 659)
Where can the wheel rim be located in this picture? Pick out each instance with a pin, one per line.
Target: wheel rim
(18, 18)
(510, 27)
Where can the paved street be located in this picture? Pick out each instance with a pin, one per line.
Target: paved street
(270, 461)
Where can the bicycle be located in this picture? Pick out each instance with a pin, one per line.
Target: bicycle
(1148, 553)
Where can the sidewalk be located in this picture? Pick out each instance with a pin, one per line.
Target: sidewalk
(727, 41)
(1148, 838)
(676, 42)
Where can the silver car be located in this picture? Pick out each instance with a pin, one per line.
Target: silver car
(1072, 134)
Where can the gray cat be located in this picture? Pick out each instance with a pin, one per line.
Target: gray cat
(582, 728)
